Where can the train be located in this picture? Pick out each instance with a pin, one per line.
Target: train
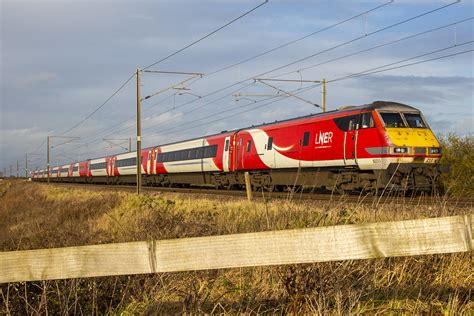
(370, 148)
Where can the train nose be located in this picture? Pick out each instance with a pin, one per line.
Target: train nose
(419, 139)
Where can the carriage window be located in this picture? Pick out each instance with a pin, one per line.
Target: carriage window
(210, 151)
(199, 152)
(226, 145)
(97, 166)
(183, 155)
(367, 121)
(306, 139)
(188, 154)
(126, 162)
(270, 143)
(249, 145)
(414, 120)
(392, 120)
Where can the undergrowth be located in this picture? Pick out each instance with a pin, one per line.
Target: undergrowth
(40, 216)
(458, 153)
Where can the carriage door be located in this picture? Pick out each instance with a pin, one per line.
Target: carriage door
(350, 141)
(154, 156)
(151, 161)
(226, 154)
(110, 166)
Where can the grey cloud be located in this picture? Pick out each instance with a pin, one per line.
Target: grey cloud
(418, 89)
(35, 79)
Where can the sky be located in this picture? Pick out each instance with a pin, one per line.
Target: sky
(61, 59)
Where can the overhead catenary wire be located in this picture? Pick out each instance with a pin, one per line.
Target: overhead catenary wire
(299, 39)
(310, 56)
(318, 53)
(271, 50)
(376, 47)
(39, 147)
(358, 38)
(99, 107)
(161, 60)
(359, 74)
(418, 56)
(132, 117)
(205, 36)
(403, 66)
(312, 87)
(334, 47)
(169, 130)
(157, 62)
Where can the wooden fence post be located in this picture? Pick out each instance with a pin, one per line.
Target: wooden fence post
(248, 186)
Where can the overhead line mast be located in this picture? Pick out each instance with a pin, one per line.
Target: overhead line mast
(139, 133)
(139, 111)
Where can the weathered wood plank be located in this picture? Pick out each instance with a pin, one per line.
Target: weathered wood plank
(344, 242)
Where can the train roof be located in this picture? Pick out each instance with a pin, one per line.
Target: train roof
(387, 106)
(376, 105)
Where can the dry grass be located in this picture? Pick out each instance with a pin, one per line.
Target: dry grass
(40, 216)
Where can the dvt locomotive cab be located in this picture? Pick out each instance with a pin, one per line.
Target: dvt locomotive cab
(410, 135)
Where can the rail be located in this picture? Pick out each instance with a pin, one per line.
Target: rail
(333, 243)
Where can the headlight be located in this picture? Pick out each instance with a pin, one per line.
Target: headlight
(400, 150)
(435, 150)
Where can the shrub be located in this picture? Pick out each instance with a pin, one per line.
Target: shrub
(458, 152)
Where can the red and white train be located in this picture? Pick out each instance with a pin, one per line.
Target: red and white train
(356, 148)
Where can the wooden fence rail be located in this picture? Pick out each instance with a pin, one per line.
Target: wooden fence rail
(343, 242)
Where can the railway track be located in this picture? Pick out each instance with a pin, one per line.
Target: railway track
(293, 196)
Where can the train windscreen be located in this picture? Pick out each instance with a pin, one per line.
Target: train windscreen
(393, 120)
(414, 120)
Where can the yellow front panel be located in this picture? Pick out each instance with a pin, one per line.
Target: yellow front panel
(412, 137)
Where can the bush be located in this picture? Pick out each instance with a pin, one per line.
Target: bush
(458, 152)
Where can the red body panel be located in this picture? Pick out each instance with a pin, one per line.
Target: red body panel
(84, 169)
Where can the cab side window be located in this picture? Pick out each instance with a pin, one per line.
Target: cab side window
(270, 143)
(353, 122)
(347, 123)
(226, 145)
(305, 139)
(367, 121)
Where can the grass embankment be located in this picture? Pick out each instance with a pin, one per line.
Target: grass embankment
(40, 216)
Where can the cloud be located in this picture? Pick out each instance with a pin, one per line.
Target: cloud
(158, 120)
(429, 90)
(140, 17)
(34, 80)
(14, 143)
(447, 102)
